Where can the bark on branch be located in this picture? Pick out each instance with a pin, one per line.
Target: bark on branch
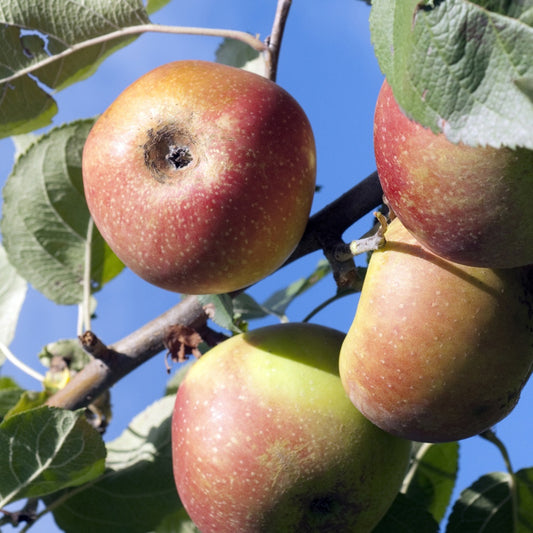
(111, 363)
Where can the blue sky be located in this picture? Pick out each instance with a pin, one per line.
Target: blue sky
(327, 64)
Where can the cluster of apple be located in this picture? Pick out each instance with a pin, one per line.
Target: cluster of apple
(442, 341)
(201, 177)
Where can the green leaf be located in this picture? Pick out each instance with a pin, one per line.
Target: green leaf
(484, 506)
(137, 489)
(12, 295)
(247, 308)
(432, 480)
(29, 399)
(178, 522)
(47, 449)
(278, 302)
(524, 487)
(10, 393)
(33, 31)
(459, 66)
(219, 308)
(406, 516)
(45, 218)
(154, 5)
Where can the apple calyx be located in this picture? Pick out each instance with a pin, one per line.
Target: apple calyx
(167, 150)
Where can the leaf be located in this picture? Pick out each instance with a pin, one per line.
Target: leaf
(406, 516)
(68, 349)
(278, 302)
(137, 489)
(235, 53)
(12, 295)
(28, 400)
(45, 218)
(246, 308)
(33, 31)
(219, 308)
(524, 482)
(10, 393)
(178, 522)
(457, 66)
(434, 475)
(484, 506)
(154, 5)
(47, 449)
(238, 54)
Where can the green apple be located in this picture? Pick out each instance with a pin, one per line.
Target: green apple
(437, 351)
(265, 439)
(200, 176)
(471, 205)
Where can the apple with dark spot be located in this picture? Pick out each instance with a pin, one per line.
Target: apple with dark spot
(471, 205)
(201, 176)
(264, 439)
(437, 351)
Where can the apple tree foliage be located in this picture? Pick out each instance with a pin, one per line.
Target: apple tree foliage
(459, 66)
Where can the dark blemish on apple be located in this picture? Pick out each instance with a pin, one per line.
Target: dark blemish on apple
(179, 156)
(167, 150)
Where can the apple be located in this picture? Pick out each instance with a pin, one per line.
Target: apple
(264, 438)
(437, 351)
(471, 205)
(200, 176)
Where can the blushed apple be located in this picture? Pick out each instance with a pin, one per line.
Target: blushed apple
(200, 176)
(471, 205)
(265, 439)
(437, 351)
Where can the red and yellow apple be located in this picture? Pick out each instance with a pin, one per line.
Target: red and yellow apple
(471, 205)
(264, 439)
(200, 176)
(437, 351)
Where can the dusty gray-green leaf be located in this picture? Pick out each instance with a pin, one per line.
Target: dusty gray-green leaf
(33, 31)
(219, 308)
(68, 349)
(45, 218)
(484, 506)
(279, 301)
(457, 66)
(406, 516)
(22, 142)
(235, 53)
(12, 295)
(433, 478)
(45, 450)
(137, 490)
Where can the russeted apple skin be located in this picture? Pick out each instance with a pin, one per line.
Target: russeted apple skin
(201, 176)
(437, 351)
(264, 439)
(471, 205)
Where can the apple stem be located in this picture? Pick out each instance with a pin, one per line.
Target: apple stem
(366, 244)
(273, 42)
